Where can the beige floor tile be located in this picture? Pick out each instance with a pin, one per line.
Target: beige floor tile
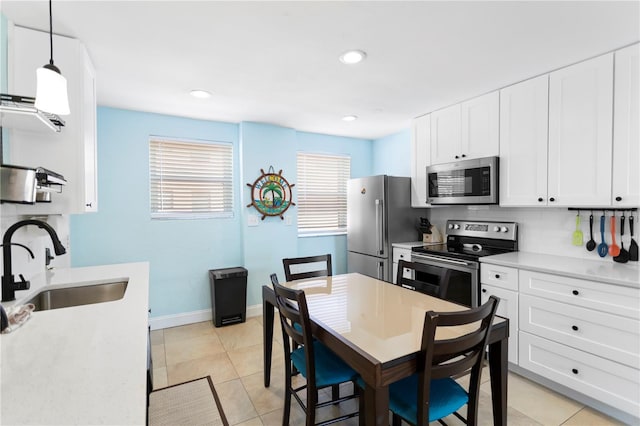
(192, 348)
(235, 401)
(264, 399)
(256, 421)
(218, 366)
(589, 417)
(188, 331)
(537, 402)
(157, 355)
(274, 418)
(160, 378)
(249, 360)
(157, 337)
(241, 335)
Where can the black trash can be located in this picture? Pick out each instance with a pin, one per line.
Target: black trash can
(228, 295)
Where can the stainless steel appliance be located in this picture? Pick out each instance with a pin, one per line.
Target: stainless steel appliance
(467, 241)
(19, 112)
(379, 214)
(26, 185)
(464, 182)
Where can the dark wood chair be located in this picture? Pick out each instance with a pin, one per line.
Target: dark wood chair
(297, 268)
(429, 283)
(432, 394)
(317, 363)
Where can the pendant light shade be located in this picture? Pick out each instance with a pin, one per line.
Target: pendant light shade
(51, 86)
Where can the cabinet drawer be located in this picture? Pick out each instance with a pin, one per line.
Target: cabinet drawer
(602, 297)
(607, 381)
(610, 336)
(508, 308)
(499, 276)
(401, 254)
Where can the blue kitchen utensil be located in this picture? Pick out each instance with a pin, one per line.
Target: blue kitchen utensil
(603, 249)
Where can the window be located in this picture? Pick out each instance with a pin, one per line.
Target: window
(322, 193)
(190, 179)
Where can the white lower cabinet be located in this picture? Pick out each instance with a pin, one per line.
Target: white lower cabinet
(607, 381)
(398, 255)
(508, 308)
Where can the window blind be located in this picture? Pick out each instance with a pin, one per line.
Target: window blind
(190, 179)
(322, 192)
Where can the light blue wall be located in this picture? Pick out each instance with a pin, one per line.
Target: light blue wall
(392, 154)
(180, 252)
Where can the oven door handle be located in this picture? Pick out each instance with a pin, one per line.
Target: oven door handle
(440, 259)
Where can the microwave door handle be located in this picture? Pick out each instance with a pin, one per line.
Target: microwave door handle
(379, 227)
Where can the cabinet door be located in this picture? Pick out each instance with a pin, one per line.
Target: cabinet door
(626, 129)
(580, 133)
(89, 136)
(508, 308)
(524, 117)
(445, 135)
(480, 130)
(420, 146)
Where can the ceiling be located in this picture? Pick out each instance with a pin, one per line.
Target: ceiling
(277, 62)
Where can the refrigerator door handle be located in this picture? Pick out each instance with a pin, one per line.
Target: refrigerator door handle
(379, 225)
(381, 271)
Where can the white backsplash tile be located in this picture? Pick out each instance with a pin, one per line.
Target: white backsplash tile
(541, 230)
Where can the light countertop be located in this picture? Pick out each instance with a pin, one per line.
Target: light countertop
(624, 274)
(408, 245)
(83, 364)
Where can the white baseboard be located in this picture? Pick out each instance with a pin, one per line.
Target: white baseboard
(168, 321)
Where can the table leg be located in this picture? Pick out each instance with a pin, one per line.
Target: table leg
(376, 405)
(498, 368)
(267, 335)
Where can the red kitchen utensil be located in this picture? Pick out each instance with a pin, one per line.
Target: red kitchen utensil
(614, 249)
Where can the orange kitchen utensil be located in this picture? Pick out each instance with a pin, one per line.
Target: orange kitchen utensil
(614, 249)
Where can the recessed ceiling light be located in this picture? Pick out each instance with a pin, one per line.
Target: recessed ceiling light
(202, 94)
(349, 118)
(352, 57)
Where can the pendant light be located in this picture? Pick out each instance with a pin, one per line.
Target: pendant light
(51, 87)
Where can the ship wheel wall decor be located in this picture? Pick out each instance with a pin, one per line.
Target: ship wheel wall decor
(271, 194)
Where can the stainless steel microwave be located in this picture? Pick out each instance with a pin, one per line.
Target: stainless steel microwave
(464, 182)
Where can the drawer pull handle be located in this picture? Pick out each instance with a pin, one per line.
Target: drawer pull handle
(574, 370)
(575, 292)
(574, 327)
(497, 276)
(402, 256)
(484, 290)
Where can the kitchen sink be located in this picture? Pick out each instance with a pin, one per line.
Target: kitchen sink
(76, 296)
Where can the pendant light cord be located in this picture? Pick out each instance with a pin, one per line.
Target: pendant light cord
(50, 33)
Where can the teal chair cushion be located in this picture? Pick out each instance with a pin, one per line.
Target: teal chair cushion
(330, 369)
(447, 397)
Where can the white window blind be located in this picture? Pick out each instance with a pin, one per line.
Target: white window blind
(190, 179)
(322, 193)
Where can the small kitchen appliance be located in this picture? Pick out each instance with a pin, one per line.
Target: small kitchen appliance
(464, 182)
(466, 243)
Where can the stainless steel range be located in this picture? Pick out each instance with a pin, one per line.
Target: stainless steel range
(466, 242)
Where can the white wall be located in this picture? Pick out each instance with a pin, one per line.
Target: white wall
(541, 230)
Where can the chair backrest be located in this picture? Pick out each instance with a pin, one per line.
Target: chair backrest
(433, 284)
(293, 310)
(297, 268)
(454, 356)
(274, 278)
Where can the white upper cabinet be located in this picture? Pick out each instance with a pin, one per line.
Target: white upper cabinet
(72, 152)
(480, 130)
(626, 129)
(420, 150)
(466, 130)
(580, 133)
(524, 117)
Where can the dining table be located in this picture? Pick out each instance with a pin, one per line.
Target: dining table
(376, 327)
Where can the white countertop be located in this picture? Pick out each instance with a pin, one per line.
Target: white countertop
(408, 245)
(625, 274)
(83, 364)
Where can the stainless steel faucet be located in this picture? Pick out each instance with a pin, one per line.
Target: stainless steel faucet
(9, 284)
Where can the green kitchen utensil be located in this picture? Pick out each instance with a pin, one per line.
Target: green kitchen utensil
(577, 234)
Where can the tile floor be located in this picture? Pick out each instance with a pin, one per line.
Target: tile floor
(232, 356)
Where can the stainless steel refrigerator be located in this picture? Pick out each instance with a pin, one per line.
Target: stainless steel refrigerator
(379, 213)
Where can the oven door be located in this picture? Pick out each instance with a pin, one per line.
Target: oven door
(464, 284)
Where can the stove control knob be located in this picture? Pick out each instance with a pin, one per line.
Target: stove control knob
(496, 229)
(456, 226)
(504, 229)
(450, 226)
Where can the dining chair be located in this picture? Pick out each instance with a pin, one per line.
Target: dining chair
(317, 363)
(431, 394)
(297, 268)
(433, 284)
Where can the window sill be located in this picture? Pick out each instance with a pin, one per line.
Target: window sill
(321, 234)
